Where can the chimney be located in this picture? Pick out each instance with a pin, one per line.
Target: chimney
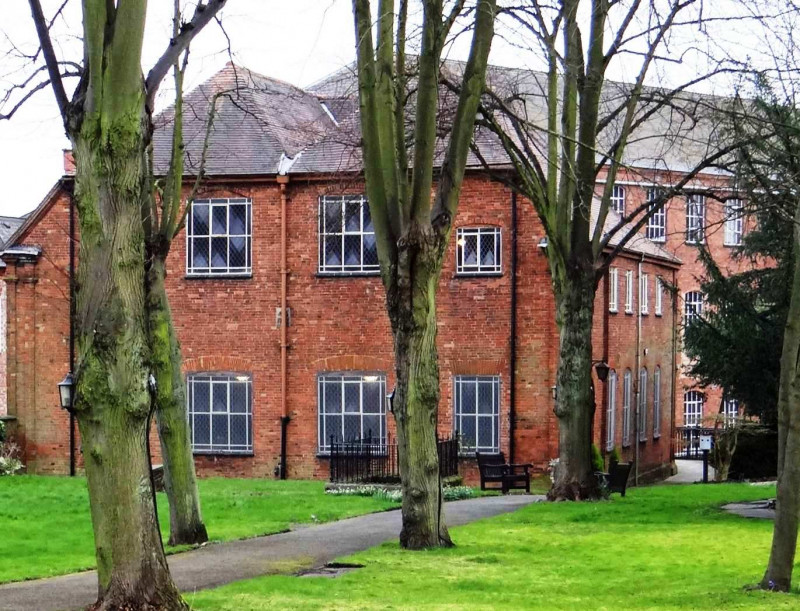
(69, 163)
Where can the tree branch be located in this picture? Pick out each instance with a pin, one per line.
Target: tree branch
(203, 14)
(43, 32)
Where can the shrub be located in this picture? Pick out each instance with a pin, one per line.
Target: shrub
(9, 454)
(614, 458)
(450, 493)
(756, 454)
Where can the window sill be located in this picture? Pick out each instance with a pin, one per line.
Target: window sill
(659, 314)
(732, 245)
(629, 312)
(348, 274)
(656, 437)
(645, 313)
(469, 275)
(247, 454)
(614, 311)
(244, 276)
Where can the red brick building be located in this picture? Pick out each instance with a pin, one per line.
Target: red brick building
(281, 204)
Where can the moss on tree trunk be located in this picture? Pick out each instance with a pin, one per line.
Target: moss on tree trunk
(574, 476)
(412, 310)
(778, 575)
(185, 520)
(113, 404)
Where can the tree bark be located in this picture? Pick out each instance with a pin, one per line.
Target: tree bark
(186, 525)
(778, 575)
(574, 476)
(412, 311)
(113, 405)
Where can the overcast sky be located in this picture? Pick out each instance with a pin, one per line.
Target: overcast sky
(299, 41)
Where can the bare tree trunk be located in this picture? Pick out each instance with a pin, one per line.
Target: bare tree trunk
(778, 575)
(180, 481)
(574, 476)
(113, 404)
(412, 310)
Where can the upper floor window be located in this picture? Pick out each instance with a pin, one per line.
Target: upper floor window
(613, 289)
(351, 407)
(734, 222)
(692, 307)
(692, 408)
(477, 413)
(629, 292)
(219, 237)
(611, 410)
(644, 293)
(346, 236)
(643, 404)
(626, 407)
(659, 296)
(657, 402)
(695, 218)
(657, 223)
(618, 199)
(220, 407)
(478, 250)
(730, 411)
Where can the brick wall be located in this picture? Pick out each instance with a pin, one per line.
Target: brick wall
(337, 324)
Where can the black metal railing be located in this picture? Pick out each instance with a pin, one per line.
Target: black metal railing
(687, 441)
(374, 460)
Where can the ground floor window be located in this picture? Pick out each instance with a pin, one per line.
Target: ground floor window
(730, 411)
(657, 402)
(477, 413)
(220, 412)
(611, 409)
(351, 406)
(692, 408)
(626, 407)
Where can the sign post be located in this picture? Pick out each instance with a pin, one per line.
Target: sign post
(705, 446)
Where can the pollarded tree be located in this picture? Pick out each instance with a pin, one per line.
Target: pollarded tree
(412, 226)
(569, 131)
(109, 123)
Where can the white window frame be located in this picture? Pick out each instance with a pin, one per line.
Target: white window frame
(656, 229)
(247, 236)
(611, 410)
(657, 402)
(216, 379)
(659, 296)
(345, 269)
(730, 411)
(643, 404)
(695, 218)
(629, 291)
(693, 405)
(493, 416)
(345, 379)
(693, 303)
(613, 289)
(734, 222)
(479, 233)
(627, 380)
(618, 199)
(644, 290)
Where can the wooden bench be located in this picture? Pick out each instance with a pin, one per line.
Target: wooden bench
(495, 470)
(616, 479)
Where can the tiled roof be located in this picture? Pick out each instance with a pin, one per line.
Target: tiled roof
(9, 225)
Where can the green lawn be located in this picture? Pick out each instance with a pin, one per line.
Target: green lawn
(666, 547)
(45, 527)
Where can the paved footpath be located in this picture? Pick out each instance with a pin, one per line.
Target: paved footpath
(221, 563)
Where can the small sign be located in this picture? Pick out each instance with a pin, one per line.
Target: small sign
(705, 442)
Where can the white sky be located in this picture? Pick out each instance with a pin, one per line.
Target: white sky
(299, 41)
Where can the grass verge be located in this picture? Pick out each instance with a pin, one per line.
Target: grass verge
(46, 530)
(666, 547)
